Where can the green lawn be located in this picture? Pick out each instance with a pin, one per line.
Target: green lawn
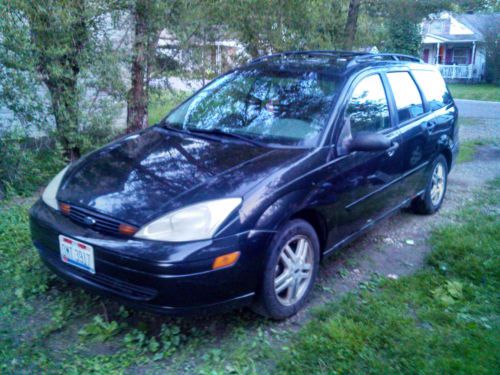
(468, 149)
(479, 91)
(160, 103)
(443, 320)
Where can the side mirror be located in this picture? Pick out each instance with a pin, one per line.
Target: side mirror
(369, 141)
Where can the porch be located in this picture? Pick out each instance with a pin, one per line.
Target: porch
(458, 72)
(457, 60)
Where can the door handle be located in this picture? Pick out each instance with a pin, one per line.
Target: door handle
(392, 150)
(430, 125)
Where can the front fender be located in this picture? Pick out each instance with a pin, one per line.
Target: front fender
(282, 209)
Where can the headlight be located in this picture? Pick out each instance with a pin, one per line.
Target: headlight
(193, 223)
(49, 194)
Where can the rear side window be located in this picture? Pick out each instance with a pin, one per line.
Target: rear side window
(406, 95)
(433, 87)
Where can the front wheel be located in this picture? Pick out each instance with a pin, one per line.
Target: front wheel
(435, 190)
(290, 271)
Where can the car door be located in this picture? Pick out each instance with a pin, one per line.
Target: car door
(438, 125)
(413, 124)
(362, 183)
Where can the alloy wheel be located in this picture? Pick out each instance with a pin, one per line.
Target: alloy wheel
(438, 184)
(294, 270)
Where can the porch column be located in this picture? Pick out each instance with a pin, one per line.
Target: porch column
(473, 59)
(437, 53)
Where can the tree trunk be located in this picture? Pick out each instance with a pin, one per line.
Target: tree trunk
(64, 99)
(137, 111)
(351, 24)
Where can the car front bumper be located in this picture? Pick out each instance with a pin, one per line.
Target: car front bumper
(172, 278)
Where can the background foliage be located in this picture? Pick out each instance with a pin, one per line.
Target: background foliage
(77, 71)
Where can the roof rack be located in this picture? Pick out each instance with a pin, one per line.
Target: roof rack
(354, 57)
(387, 56)
(321, 53)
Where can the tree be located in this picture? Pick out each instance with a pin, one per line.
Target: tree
(58, 32)
(352, 23)
(492, 42)
(137, 115)
(150, 17)
(404, 37)
(265, 26)
(53, 43)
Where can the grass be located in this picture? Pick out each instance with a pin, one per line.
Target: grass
(445, 319)
(468, 150)
(477, 91)
(162, 102)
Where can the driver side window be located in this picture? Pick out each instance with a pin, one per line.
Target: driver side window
(367, 110)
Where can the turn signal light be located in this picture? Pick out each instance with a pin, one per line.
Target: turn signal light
(127, 230)
(65, 208)
(226, 260)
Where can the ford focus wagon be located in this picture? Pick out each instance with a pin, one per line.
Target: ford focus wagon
(235, 197)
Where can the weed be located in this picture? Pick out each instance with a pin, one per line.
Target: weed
(99, 329)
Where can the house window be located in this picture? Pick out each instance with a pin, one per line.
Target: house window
(437, 27)
(461, 56)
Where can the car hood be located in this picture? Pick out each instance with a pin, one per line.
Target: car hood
(145, 175)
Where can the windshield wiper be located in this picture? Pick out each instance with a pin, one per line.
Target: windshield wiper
(169, 126)
(216, 131)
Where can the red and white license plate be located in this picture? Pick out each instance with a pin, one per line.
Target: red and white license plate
(77, 253)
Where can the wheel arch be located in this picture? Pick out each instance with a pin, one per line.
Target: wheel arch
(445, 145)
(294, 205)
(448, 156)
(317, 221)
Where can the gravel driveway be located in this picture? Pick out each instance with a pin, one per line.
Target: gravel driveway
(479, 120)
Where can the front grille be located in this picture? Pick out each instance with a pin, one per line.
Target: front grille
(95, 220)
(117, 286)
(120, 287)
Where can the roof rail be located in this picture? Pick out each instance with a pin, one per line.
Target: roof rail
(388, 56)
(352, 57)
(325, 53)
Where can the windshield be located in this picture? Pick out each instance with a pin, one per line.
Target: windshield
(283, 107)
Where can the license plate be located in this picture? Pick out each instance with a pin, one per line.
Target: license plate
(77, 253)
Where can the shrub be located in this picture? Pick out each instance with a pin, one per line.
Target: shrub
(26, 164)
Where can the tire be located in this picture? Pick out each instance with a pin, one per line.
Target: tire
(428, 203)
(297, 269)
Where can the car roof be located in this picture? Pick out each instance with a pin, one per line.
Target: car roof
(341, 63)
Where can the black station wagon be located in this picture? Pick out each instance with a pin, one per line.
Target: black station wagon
(236, 196)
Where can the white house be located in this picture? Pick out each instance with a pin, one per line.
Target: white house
(216, 54)
(456, 43)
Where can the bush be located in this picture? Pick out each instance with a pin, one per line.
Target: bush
(492, 74)
(27, 164)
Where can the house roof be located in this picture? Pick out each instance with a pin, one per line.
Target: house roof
(479, 25)
(432, 38)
